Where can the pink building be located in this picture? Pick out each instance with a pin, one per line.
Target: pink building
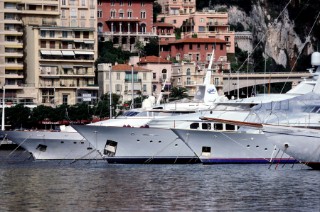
(175, 7)
(195, 49)
(124, 22)
(161, 73)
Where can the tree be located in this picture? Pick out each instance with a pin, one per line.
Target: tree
(156, 10)
(109, 54)
(152, 48)
(178, 93)
(17, 116)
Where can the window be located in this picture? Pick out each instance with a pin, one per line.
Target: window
(65, 99)
(144, 76)
(174, 21)
(63, 2)
(154, 88)
(52, 44)
(143, 14)
(63, 13)
(64, 34)
(201, 20)
(198, 46)
(206, 47)
(142, 3)
(154, 75)
(188, 71)
(129, 14)
(118, 87)
(82, 14)
(99, 2)
(164, 74)
(118, 76)
(190, 46)
(77, 34)
(188, 81)
(144, 88)
(129, 3)
(92, 14)
(43, 34)
(43, 44)
(83, 2)
(51, 34)
(85, 34)
(221, 46)
(113, 14)
(198, 57)
(121, 15)
(112, 2)
(99, 14)
(121, 3)
(73, 13)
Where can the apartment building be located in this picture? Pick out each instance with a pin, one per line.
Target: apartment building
(48, 49)
(161, 74)
(177, 7)
(125, 22)
(126, 80)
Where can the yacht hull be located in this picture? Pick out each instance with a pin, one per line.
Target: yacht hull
(46, 145)
(301, 143)
(137, 145)
(232, 147)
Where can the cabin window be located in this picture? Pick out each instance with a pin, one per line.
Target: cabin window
(206, 151)
(218, 126)
(110, 148)
(206, 126)
(194, 126)
(230, 127)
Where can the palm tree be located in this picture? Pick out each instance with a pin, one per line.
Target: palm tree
(178, 93)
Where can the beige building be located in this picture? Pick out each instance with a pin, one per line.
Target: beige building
(47, 51)
(177, 7)
(121, 80)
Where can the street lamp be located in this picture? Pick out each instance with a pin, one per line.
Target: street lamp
(3, 96)
(132, 102)
(110, 92)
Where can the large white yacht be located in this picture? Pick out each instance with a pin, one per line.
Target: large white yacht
(220, 139)
(159, 144)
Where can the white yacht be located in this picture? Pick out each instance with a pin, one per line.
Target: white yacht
(135, 145)
(300, 142)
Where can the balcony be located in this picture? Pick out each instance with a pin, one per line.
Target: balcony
(141, 34)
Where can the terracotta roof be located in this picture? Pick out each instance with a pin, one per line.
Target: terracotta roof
(200, 40)
(163, 24)
(126, 67)
(153, 59)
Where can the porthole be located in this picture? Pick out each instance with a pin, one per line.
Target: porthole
(265, 149)
(176, 144)
(159, 141)
(82, 142)
(248, 145)
(75, 142)
(151, 141)
(62, 142)
(257, 146)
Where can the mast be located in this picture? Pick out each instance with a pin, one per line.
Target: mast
(3, 105)
(207, 78)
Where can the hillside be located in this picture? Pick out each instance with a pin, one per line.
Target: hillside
(285, 30)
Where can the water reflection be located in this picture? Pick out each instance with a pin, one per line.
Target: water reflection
(53, 186)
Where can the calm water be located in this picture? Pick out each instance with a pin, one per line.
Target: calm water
(53, 186)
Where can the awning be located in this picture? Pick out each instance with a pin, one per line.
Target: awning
(14, 45)
(67, 66)
(78, 41)
(84, 52)
(45, 52)
(56, 53)
(89, 41)
(67, 53)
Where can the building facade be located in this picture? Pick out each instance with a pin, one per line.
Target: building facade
(48, 50)
(126, 80)
(125, 22)
(161, 74)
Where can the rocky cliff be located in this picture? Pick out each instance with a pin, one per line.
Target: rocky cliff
(283, 29)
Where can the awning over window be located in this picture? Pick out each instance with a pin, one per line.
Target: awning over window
(45, 52)
(78, 41)
(56, 53)
(67, 53)
(67, 66)
(84, 52)
(89, 41)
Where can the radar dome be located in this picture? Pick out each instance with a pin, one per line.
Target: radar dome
(315, 59)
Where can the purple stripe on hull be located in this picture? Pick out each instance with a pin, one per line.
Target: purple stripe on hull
(181, 160)
(245, 160)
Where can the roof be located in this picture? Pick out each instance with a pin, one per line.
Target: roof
(200, 40)
(126, 67)
(163, 24)
(153, 59)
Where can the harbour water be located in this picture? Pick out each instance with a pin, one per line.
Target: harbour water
(27, 185)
